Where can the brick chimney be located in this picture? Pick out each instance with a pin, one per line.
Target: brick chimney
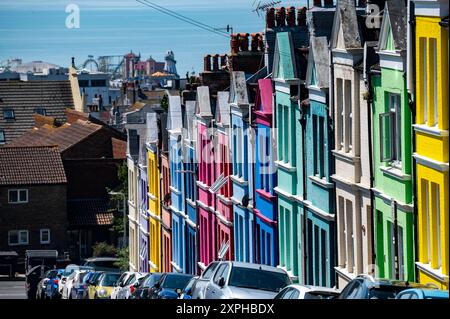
(270, 18)
(207, 63)
(281, 17)
(223, 61)
(291, 17)
(254, 43)
(261, 43)
(301, 17)
(216, 63)
(243, 41)
(234, 44)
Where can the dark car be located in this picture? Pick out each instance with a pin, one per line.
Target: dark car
(145, 290)
(366, 287)
(186, 293)
(32, 279)
(169, 286)
(52, 291)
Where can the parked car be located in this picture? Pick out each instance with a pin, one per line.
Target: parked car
(130, 285)
(105, 285)
(79, 286)
(199, 288)
(120, 283)
(67, 272)
(367, 287)
(238, 280)
(421, 293)
(93, 282)
(41, 287)
(102, 264)
(169, 286)
(52, 291)
(307, 292)
(186, 293)
(145, 290)
(71, 283)
(32, 279)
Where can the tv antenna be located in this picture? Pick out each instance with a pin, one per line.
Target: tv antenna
(263, 6)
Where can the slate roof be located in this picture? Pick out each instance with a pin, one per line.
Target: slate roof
(175, 120)
(223, 115)
(239, 92)
(64, 137)
(36, 165)
(188, 119)
(203, 105)
(347, 18)
(25, 97)
(320, 21)
(395, 13)
(89, 212)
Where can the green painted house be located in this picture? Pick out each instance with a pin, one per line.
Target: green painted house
(392, 145)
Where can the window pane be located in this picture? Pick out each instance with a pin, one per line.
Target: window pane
(2, 136)
(23, 195)
(424, 86)
(385, 137)
(433, 82)
(13, 196)
(23, 237)
(14, 237)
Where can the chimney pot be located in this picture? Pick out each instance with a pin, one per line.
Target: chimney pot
(207, 63)
(254, 45)
(216, 63)
(261, 43)
(291, 17)
(281, 17)
(223, 61)
(270, 18)
(301, 17)
(234, 44)
(244, 41)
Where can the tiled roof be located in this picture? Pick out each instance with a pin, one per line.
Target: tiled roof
(31, 166)
(89, 212)
(25, 97)
(64, 137)
(119, 148)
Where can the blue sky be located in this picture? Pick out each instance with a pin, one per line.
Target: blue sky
(35, 29)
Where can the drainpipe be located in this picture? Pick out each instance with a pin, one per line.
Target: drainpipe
(412, 106)
(396, 248)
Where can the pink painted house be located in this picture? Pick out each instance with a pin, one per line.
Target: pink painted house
(223, 186)
(206, 177)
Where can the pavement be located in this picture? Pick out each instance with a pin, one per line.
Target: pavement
(12, 288)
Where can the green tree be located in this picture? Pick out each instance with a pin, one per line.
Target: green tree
(165, 102)
(123, 262)
(104, 249)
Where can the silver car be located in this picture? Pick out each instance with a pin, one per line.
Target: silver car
(237, 280)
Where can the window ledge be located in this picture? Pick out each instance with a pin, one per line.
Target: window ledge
(423, 160)
(321, 182)
(224, 199)
(191, 202)
(176, 191)
(430, 130)
(435, 273)
(202, 185)
(396, 173)
(201, 265)
(286, 166)
(344, 273)
(239, 180)
(347, 157)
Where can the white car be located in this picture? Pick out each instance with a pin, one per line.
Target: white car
(307, 292)
(120, 284)
(71, 280)
(129, 286)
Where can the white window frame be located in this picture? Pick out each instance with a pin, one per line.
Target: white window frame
(18, 196)
(3, 139)
(41, 232)
(19, 243)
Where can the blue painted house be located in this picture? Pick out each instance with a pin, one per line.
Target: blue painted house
(190, 177)
(177, 207)
(319, 202)
(265, 210)
(242, 170)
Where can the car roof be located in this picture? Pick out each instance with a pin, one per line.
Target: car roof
(257, 267)
(102, 259)
(308, 288)
(428, 293)
(374, 282)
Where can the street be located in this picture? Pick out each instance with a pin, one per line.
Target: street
(12, 289)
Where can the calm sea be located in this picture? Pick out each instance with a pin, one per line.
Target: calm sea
(38, 32)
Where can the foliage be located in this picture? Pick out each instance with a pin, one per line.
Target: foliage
(103, 249)
(123, 261)
(165, 102)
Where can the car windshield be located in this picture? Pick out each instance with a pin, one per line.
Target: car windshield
(384, 292)
(109, 280)
(320, 295)
(52, 274)
(258, 279)
(175, 282)
(130, 280)
(95, 278)
(69, 270)
(190, 284)
(152, 280)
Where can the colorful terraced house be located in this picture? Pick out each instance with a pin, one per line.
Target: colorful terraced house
(177, 207)
(154, 191)
(190, 177)
(320, 196)
(265, 210)
(392, 150)
(222, 187)
(242, 169)
(431, 129)
(206, 177)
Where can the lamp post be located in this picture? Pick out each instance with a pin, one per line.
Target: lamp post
(124, 212)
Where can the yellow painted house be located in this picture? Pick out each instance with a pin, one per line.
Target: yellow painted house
(432, 140)
(154, 199)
